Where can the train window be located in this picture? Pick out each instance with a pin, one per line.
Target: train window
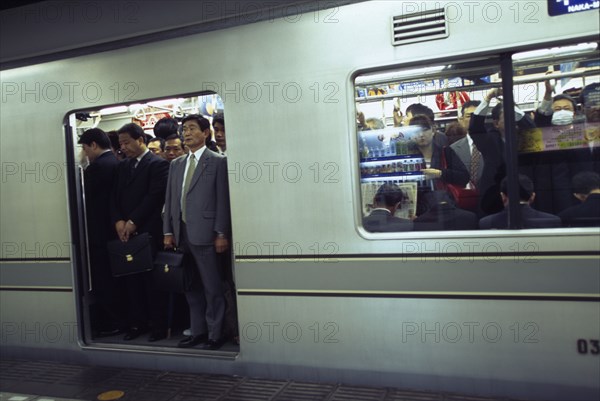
(432, 147)
(110, 314)
(558, 140)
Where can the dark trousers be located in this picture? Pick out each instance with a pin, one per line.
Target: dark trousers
(147, 306)
(108, 294)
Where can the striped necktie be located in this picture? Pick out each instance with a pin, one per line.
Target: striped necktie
(475, 163)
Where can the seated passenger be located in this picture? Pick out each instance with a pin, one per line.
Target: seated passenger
(443, 215)
(586, 187)
(381, 219)
(530, 217)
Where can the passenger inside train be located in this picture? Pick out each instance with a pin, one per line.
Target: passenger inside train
(556, 103)
(126, 198)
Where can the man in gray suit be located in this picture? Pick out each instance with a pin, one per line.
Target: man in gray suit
(197, 219)
(465, 147)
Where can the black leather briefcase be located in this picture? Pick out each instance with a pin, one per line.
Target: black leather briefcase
(169, 271)
(131, 257)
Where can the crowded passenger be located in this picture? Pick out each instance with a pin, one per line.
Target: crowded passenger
(173, 147)
(442, 215)
(557, 110)
(386, 201)
(113, 136)
(530, 218)
(454, 132)
(550, 169)
(165, 127)
(416, 109)
(137, 200)
(586, 188)
(157, 146)
(99, 176)
(491, 145)
(465, 148)
(432, 146)
(218, 124)
(197, 219)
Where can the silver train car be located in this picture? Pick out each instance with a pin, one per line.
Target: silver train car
(509, 312)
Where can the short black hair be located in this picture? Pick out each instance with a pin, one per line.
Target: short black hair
(389, 195)
(564, 96)
(95, 135)
(585, 182)
(165, 127)
(470, 103)
(421, 120)
(134, 131)
(160, 140)
(174, 136)
(202, 122)
(113, 136)
(420, 109)
(525, 187)
(218, 118)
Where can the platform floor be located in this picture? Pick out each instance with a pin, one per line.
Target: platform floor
(25, 380)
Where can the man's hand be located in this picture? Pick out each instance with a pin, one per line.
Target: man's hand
(221, 244)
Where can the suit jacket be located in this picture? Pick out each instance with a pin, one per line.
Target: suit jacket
(207, 199)
(139, 194)
(455, 171)
(380, 220)
(99, 178)
(531, 219)
(586, 214)
(446, 217)
(463, 151)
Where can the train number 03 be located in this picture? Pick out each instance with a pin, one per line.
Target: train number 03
(585, 347)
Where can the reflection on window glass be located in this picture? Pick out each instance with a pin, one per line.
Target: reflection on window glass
(435, 139)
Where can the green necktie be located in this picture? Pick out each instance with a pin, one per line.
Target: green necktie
(186, 185)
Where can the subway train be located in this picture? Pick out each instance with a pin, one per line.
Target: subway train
(509, 312)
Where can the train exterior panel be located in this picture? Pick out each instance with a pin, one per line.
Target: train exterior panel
(511, 312)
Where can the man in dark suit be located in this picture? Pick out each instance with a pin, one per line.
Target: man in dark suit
(381, 219)
(491, 145)
(443, 215)
(98, 181)
(197, 219)
(137, 200)
(586, 187)
(531, 218)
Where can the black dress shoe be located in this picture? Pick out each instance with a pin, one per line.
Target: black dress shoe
(133, 333)
(192, 341)
(157, 335)
(214, 344)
